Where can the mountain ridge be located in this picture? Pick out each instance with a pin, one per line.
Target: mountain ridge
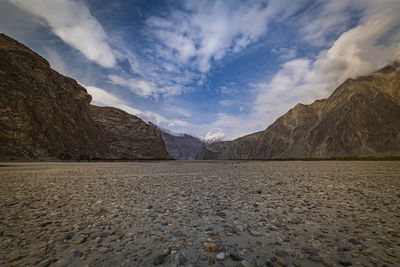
(45, 115)
(360, 118)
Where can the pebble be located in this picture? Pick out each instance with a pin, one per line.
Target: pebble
(117, 214)
(180, 259)
(220, 256)
(281, 262)
(211, 247)
(159, 259)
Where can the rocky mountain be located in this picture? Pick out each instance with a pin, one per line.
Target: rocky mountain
(181, 146)
(45, 115)
(360, 118)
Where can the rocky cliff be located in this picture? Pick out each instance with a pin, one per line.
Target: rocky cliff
(45, 115)
(360, 118)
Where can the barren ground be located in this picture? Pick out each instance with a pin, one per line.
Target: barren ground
(327, 213)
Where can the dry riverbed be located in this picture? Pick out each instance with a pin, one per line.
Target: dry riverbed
(233, 213)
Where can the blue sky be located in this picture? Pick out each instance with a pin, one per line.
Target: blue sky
(213, 69)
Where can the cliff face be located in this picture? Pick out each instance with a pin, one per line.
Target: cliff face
(360, 118)
(45, 115)
(127, 135)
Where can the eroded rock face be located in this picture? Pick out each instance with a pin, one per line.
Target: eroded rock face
(360, 118)
(126, 135)
(45, 115)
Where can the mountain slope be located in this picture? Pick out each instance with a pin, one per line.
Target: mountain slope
(45, 115)
(360, 118)
(181, 146)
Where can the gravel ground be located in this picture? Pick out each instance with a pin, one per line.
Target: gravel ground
(232, 213)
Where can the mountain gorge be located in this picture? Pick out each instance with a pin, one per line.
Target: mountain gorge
(360, 118)
(45, 115)
(181, 146)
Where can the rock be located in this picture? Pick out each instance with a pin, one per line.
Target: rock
(203, 257)
(235, 256)
(167, 252)
(259, 191)
(63, 262)
(148, 252)
(220, 256)
(80, 240)
(246, 263)
(254, 232)
(159, 259)
(211, 247)
(180, 259)
(281, 253)
(44, 263)
(316, 258)
(299, 256)
(281, 262)
(98, 239)
(345, 262)
(269, 264)
(239, 228)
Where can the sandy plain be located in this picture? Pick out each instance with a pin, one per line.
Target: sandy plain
(228, 213)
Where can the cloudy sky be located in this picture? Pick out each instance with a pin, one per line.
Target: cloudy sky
(213, 69)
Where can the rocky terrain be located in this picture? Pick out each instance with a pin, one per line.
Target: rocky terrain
(361, 118)
(235, 213)
(45, 115)
(181, 146)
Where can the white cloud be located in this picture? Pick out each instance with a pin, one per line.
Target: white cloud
(206, 31)
(358, 51)
(103, 98)
(214, 136)
(72, 22)
(285, 53)
(226, 102)
(56, 62)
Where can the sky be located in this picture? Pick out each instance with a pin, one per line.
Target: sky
(212, 69)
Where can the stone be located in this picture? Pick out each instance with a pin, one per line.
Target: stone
(159, 259)
(180, 259)
(63, 262)
(80, 240)
(254, 232)
(281, 262)
(220, 256)
(345, 262)
(211, 247)
(235, 256)
(299, 256)
(281, 253)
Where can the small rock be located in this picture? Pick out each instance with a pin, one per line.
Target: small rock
(345, 262)
(44, 263)
(180, 259)
(80, 240)
(98, 239)
(158, 260)
(147, 252)
(166, 252)
(203, 257)
(281, 262)
(220, 256)
(315, 258)
(45, 224)
(269, 264)
(299, 256)
(63, 262)
(246, 263)
(235, 257)
(354, 241)
(254, 232)
(211, 247)
(77, 253)
(259, 191)
(281, 253)
(238, 228)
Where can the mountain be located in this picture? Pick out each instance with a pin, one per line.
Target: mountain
(360, 118)
(181, 146)
(45, 115)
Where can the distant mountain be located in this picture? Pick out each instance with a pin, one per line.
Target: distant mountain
(45, 115)
(181, 146)
(360, 118)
